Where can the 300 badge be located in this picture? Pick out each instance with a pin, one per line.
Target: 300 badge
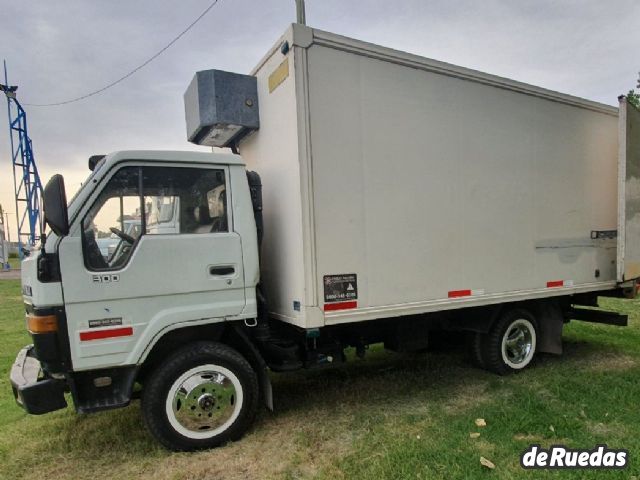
(107, 278)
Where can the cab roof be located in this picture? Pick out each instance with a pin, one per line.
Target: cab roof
(175, 156)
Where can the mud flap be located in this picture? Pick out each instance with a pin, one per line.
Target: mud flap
(550, 323)
(253, 356)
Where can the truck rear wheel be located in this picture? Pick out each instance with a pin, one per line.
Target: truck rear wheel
(202, 396)
(511, 342)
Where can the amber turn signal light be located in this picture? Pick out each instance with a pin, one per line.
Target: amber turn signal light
(42, 324)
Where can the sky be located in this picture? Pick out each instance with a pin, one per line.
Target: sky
(62, 49)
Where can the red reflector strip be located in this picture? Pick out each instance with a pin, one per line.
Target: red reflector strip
(110, 333)
(459, 293)
(328, 307)
(465, 293)
(560, 283)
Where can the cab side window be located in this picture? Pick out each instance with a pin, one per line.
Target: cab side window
(184, 200)
(151, 201)
(112, 226)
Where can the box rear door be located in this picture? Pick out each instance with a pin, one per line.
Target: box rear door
(628, 192)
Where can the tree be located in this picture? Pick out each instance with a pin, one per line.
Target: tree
(633, 97)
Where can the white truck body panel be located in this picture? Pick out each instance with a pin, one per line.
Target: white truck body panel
(438, 186)
(276, 145)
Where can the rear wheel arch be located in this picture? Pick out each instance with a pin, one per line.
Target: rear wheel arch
(478, 319)
(545, 314)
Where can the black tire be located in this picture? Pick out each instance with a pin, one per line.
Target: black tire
(489, 345)
(474, 344)
(238, 380)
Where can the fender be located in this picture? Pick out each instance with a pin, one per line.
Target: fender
(229, 333)
(216, 327)
(476, 319)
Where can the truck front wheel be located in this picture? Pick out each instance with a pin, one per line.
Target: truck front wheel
(510, 344)
(202, 396)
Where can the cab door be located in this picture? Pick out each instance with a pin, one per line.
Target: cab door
(149, 281)
(628, 192)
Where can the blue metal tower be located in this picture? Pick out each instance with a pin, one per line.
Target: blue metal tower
(26, 181)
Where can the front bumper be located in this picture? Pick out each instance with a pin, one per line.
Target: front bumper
(33, 392)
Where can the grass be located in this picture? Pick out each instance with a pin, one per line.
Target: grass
(387, 416)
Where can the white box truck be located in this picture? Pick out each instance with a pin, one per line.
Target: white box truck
(371, 196)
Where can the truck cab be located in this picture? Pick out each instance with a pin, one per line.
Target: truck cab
(191, 262)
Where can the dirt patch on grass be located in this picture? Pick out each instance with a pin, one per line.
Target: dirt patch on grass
(282, 446)
(279, 446)
(484, 447)
(521, 437)
(467, 396)
(606, 430)
(606, 362)
(545, 442)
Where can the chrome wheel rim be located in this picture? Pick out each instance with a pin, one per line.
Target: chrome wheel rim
(519, 344)
(204, 401)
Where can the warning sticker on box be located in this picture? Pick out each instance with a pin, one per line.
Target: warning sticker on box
(340, 288)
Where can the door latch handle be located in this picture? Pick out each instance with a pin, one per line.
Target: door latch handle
(222, 270)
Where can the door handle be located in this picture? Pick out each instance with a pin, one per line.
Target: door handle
(222, 270)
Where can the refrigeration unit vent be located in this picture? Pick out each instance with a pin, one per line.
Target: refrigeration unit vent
(220, 107)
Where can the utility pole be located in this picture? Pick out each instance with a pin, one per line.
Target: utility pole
(5, 242)
(300, 13)
(6, 214)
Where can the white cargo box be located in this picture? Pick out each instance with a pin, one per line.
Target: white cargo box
(398, 185)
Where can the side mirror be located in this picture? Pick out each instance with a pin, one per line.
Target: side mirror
(55, 206)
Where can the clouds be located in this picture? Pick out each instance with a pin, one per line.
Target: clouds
(56, 50)
(581, 47)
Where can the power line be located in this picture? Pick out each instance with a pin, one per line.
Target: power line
(139, 67)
